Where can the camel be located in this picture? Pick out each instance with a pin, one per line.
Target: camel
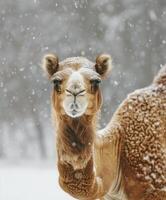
(124, 161)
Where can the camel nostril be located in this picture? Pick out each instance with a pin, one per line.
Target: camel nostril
(74, 106)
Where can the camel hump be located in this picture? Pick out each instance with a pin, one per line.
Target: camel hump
(161, 76)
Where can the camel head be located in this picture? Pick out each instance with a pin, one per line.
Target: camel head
(76, 80)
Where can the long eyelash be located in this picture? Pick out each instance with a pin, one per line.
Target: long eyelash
(94, 88)
(57, 81)
(94, 85)
(57, 85)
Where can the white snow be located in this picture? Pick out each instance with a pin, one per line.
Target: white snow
(20, 183)
(116, 83)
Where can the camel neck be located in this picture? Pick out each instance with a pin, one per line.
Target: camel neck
(76, 134)
(75, 138)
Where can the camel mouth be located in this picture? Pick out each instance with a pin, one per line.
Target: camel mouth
(74, 113)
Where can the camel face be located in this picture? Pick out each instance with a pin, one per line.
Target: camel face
(76, 83)
(75, 101)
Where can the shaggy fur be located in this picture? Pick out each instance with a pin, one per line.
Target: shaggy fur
(142, 121)
(124, 161)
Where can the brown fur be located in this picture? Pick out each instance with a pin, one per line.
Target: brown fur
(129, 155)
(161, 77)
(102, 64)
(142, 121)
(52, 63)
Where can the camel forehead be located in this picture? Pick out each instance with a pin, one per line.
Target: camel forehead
(76, 68)
(82, 75)
(75, 77)
(76, 63)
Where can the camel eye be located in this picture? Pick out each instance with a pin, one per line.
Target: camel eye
(57, 84)
(57, 81)
(95, 82)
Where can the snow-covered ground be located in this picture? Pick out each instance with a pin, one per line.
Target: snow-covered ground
(29, 183)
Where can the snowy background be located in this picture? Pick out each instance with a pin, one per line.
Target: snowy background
(132, 31)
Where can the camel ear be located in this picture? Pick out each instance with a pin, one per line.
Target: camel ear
(50, 64)
(103, 65)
